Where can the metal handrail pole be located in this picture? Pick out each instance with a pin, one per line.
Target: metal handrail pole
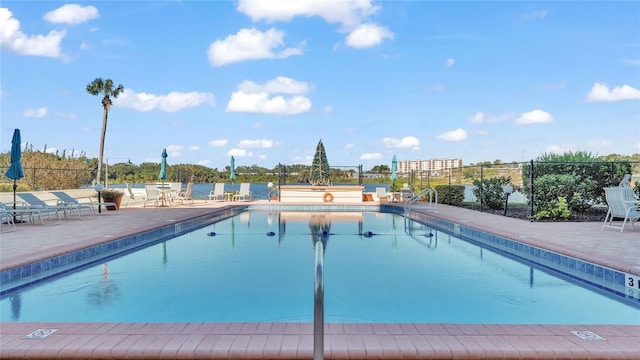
(318, 304)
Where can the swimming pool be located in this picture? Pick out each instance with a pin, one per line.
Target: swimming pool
(245, 273)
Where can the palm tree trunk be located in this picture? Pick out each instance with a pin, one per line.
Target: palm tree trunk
(102, 136)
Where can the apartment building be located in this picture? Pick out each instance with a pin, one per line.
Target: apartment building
(430, 165)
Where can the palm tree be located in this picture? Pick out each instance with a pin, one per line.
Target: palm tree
(97, 87)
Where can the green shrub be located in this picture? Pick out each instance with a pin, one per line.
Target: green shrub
(450, 194)
(489, 192)
(574, 189)
(558, 209)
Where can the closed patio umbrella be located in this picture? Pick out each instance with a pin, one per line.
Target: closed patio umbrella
(15, 172)
(163, 166)
(232, 171)
(394, 170)
(163, 175)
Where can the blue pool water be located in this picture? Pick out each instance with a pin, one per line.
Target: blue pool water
(258, 266)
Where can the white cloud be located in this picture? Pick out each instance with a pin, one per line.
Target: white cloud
(218, 143)
(12, 38)
(368, 35)
(371, 156)
(349, 13)
(406, 142)
(193, 147)
(636, 145)
(436, 87)
(281, 84)
(537, 14)
(599, 143)
(535, 117)
(171, 102)
(560, 149)
(239, 153)
(257, 143)
(454, 135)
(261, 103)
(328, 109)
(450, 62)
(71, 14)
(476, 118)
(174, 150)
(35, 113)
(480, 117)
(349, 145)
(601, 92)
(250, 44)
(256, 98)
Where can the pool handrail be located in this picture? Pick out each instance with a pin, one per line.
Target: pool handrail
(318, 304)
(432, 203)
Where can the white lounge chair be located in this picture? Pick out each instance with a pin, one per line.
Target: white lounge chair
(620, 208)
(66, 199)
(218, 192)
(152, 195)
(244, 193)
(31, 213)
(382, 194)
(185, 195)
(6, 218)
(133, 195)
(625, 184)
(33, 202)
(174, 189)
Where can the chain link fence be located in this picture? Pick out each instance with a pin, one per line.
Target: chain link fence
(579, 184)
(43, 179)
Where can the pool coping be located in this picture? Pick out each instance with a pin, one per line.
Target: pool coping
(294, 340)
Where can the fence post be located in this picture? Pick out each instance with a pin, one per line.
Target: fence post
(481, 186)
(531, 192)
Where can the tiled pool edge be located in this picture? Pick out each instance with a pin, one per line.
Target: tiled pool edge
(25, 275)
(598, 276)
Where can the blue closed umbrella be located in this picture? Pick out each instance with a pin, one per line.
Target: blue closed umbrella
(232, 171)
(15, 169)
(394, 168)
(163, 166)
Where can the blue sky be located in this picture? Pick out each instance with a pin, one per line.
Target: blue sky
(265, 80)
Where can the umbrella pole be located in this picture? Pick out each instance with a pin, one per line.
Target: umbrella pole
(15, 188)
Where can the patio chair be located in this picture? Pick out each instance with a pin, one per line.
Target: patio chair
(133, 195)
(218, 192)
(33, 202)
(244, 193)
(620, 208)
(174, 189)
(66, 199)
(6, 218)
(152, 195)
(22, 209)
(629, 195)
(185, 195)
(382, 194)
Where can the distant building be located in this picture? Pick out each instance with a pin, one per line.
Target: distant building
(430, 165)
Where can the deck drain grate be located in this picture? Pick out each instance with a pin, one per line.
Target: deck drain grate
(588, 335)
(40, 334)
